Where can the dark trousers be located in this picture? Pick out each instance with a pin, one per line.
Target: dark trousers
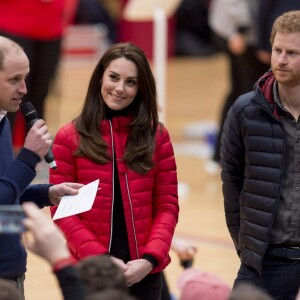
(280, 277)
(149, 288)
(165, 292)
(244, 71)
(43, 58)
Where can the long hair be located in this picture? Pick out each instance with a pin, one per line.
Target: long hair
(141, 139)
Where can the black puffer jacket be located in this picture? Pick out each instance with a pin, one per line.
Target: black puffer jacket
(252, 162)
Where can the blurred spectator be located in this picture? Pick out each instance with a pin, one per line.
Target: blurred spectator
(234, 25)
(94, 12)
(248, 291)
(38, 26)
(192, 32)
(185, 252)
(110, 294)
(196, 284)
(267, 12)
(99, 273)
(8, 291)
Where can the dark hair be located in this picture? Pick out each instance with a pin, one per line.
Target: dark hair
(99, 273)
(141, 139)
(288, 22)
(247, 290)
(110, 294)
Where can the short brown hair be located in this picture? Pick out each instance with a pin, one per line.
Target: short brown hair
(288, 22)
(7, 45)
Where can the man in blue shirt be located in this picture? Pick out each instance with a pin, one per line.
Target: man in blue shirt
(17, 173)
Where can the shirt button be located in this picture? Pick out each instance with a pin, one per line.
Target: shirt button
(297, 188)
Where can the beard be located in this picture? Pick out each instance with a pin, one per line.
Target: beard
(286, 76)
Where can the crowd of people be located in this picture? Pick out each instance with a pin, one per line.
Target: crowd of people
(120, 248)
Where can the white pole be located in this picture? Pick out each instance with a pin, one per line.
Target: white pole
(160, 57)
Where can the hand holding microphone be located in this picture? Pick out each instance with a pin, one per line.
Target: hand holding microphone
(38, 138)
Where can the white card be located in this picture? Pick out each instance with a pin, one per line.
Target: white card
(76, 204)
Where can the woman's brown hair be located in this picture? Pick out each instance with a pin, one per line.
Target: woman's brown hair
(141, 140)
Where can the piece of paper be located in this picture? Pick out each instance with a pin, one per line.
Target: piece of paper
(76, 204)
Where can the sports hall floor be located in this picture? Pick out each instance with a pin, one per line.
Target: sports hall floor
(194, 92)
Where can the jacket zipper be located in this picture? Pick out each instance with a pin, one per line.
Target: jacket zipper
(113, 185)
(283, 153)
(113, 196)
(132, 219)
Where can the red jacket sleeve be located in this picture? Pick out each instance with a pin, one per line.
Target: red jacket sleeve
(81, 241)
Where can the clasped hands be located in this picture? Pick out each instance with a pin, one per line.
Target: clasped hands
(135, 270)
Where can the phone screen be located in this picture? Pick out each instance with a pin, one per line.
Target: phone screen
(11, 217)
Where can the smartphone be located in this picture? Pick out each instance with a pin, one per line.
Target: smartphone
(11, 217)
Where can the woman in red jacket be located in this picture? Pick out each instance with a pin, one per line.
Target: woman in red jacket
(118, 139)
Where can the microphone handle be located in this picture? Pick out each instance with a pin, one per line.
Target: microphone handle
(49, 157)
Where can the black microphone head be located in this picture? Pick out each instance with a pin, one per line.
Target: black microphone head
(28, 112)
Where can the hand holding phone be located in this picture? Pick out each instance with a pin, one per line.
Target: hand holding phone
(11, 219)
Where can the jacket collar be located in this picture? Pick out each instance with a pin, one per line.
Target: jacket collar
(265, 87)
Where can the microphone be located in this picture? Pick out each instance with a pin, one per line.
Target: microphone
(31, 117)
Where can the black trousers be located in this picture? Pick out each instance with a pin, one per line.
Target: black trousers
(149, 288)
(43, 58)
(280, 277)
(244, 71)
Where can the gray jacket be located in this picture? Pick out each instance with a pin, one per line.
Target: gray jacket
(226, 17)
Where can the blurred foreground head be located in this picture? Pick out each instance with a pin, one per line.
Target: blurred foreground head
(99, 273)
(196, 284)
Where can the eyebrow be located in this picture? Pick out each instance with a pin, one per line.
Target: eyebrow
(130, 77)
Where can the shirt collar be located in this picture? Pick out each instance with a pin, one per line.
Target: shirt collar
(2, 114)
(276, 96)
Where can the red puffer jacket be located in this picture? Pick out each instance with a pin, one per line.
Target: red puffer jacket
(150, 201)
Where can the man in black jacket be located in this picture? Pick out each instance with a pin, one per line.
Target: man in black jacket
(260, 160)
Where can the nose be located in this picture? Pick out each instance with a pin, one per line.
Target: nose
(22, 88)
(120, 87)
(282, 59)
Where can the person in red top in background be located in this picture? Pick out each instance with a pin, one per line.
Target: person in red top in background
(37, 26)
(118, 139)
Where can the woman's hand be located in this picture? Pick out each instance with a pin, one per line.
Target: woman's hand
(137, 270)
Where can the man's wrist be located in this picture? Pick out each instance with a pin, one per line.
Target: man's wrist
(28, 157)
